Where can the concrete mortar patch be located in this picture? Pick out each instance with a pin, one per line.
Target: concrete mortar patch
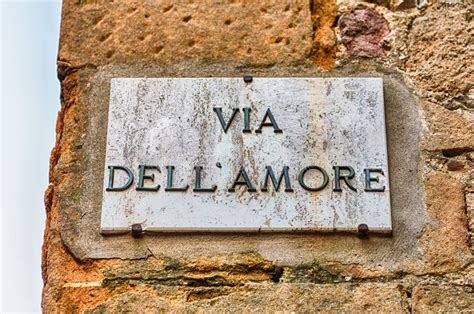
(392, 254)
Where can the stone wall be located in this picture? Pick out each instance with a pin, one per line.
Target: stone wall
(422, 49)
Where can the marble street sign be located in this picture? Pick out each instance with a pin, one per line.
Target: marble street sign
(221, 154)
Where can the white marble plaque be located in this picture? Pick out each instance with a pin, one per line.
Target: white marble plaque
(332, 127)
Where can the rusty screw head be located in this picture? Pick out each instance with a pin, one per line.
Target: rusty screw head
(137, 231)
(248, 79)
(363, 230)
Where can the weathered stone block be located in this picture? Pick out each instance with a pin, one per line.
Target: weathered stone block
(162, 32)
(250, 298)
(448, 130)
(439, 49)
(442, 298)
(362, 31)
(447, 228)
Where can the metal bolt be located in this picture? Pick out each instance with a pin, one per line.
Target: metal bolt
(248, 79)
(363, 230)
(137, 231)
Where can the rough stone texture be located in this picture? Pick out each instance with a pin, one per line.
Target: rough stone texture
(447, 228)
(443, 298)
(440, 50)
(362, 31)
(448, 129)
(270, 297)
(162, 31)
(427, 67)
